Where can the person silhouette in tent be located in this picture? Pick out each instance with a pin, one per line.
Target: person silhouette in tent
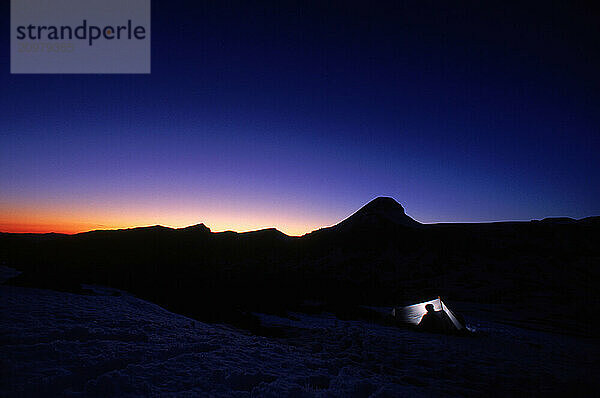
(435, 321)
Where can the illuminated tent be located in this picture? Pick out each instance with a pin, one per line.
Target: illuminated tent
(412, 314)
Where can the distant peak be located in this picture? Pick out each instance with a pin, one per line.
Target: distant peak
(265, 232)
(382, 204)
(377, 213)
(197, 228)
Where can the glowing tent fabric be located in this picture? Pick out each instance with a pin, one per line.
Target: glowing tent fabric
(412, 314)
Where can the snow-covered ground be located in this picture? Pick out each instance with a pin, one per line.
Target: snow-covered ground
(111, 344)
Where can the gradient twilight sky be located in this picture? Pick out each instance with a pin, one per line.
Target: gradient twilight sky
(293, 116)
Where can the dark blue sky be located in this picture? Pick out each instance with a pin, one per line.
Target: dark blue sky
(295, 115)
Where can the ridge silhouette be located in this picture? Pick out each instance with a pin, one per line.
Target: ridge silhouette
(377, 256)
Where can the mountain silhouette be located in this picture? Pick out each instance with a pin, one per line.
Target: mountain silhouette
(377, 256)
(381, 212)
(197, 228)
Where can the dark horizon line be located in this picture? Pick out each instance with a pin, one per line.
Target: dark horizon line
(445, 223)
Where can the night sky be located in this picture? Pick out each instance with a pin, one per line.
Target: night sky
(293, 116)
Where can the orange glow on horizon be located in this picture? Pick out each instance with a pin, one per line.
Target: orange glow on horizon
(25, 219)
(75, 228)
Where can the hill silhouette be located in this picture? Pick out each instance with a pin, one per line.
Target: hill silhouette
(547, 269)
(380, 213)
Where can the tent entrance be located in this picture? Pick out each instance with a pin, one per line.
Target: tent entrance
(413, 314)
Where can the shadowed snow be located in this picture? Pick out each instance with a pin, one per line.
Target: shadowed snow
(111, 344)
